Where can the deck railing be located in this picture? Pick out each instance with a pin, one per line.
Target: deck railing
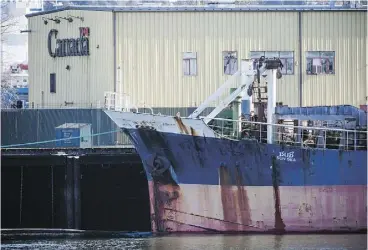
(304, 136)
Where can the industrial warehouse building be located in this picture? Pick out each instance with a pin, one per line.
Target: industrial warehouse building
(175, 58)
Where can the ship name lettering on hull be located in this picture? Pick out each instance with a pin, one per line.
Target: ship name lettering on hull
(284, 156)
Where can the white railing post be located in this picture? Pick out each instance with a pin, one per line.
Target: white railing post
(347, 140)
(119, 102)
(222, 127)
(260, 132)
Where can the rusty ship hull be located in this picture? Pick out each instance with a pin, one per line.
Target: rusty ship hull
(200, 183)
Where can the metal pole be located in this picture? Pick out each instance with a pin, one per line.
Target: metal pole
(114, 44)
(245, 101)
(76, 198)
(300, 60)
(271, 103)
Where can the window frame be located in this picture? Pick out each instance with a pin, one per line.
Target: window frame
(189, 58)
(53, 83)
(284, 59)
(236, 63)
(320, 57)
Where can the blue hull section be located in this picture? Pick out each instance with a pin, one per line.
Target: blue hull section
(200, 160)
(201, 184)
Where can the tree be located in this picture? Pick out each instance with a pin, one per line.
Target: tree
(8, 25)
(9, 94)
(8, 21)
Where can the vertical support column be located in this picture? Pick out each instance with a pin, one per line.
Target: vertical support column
(69, 193)
(21, 196)
(77, 193)
(271, 103)
(236, 115)
(114, 44)
(299, 132)
(300, 60)
(72, 193)
(247, 73)
(52, 198)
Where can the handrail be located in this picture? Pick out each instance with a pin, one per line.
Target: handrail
(290, 126)
(145, 106)
(304, 136)
(122, 102)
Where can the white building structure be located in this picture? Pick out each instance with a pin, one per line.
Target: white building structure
(167, 57)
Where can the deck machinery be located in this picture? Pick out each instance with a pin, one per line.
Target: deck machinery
(321, 119)
(344, 117)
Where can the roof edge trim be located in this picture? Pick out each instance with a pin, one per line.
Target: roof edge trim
(195, 9)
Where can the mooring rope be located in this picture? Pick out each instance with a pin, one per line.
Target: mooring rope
(56, 140)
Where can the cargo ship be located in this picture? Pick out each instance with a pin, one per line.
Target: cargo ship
(285, 169)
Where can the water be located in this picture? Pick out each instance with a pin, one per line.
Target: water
(212, 242)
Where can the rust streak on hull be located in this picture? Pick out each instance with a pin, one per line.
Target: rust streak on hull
(188, 211)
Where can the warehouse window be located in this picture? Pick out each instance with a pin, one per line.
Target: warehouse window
(230, 59)
(52, 83)
(320, 62)
(190, 63)
(286, 57)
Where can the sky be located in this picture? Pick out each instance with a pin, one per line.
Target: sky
(15, 46)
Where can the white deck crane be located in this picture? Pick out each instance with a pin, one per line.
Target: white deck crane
(269, 67)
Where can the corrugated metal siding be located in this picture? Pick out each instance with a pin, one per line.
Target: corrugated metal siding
(88, 77)
(346, 34)
(28, 126)
(150, 47)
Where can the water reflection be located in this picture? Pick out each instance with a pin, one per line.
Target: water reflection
(277, 242)
(213, 242)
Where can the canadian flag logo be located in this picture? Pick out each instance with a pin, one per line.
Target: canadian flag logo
(84, 31)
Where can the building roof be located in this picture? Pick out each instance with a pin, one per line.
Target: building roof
(22, 91)
(73, 125)
(234, 8)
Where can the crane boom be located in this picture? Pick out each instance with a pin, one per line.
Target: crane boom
(247, 73)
